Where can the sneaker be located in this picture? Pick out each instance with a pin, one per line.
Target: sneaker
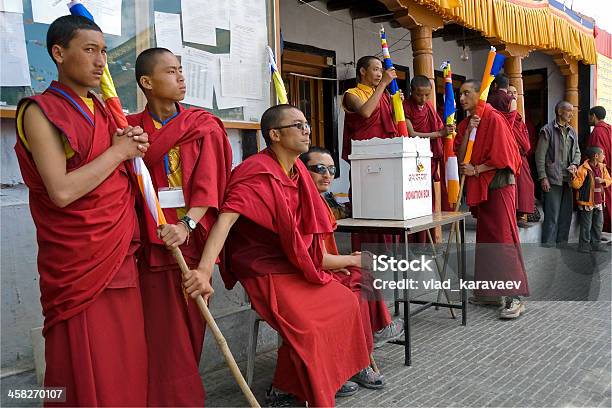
(486, 300)
(277, 398)
(512, 309)
(369, 378)
(393, 331)
(348, 388)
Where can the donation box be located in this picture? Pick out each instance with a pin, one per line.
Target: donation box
(391, 178)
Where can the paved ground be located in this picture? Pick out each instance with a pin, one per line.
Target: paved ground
(556, 355)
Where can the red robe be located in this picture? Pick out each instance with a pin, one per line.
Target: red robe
(602, 136)
(426, 120)
(497, 239)
(525, 189)
(379, 124)
(94, 331)
(206, 160)
(356, 127)
(374, 313)
(275, 251)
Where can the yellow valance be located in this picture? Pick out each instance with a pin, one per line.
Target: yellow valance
(522, 22)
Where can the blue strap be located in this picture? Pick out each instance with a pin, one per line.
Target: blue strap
(74, 103)
(163, 123)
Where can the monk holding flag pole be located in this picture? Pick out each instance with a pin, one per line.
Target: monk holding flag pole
(152, 204)
(490, 162)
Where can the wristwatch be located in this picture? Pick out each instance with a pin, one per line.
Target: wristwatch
(191, 224)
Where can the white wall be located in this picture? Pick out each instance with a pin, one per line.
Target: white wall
(302, 24)
(556, 81)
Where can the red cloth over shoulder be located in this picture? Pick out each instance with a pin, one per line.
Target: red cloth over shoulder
(257, 191)
(81, 246)
(495, 146)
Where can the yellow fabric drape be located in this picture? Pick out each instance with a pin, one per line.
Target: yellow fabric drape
(540, 26)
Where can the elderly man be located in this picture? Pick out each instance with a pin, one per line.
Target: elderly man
(557, 159)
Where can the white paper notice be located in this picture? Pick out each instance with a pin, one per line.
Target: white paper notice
(197, 69)
(220, 11)
(198, 26)
(225, 102)
(168, 32)
(106, 13)
(241, 80)
(248, 33)
(11, 6)
(14, 67)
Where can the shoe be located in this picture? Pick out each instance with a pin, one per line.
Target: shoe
(393, 331)
(348, 388)
(486, 300)
(369, 378)
(277, 398)
(512, 309)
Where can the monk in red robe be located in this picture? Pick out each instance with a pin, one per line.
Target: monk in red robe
(601, 136)
(75, 164)
(190, 157)
(368, 114)
(423, 121)
(505, 102)
(490, 187)
(378, 327)
(275, 249)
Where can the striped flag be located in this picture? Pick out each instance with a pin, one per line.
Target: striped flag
(450, 159)
(111, 99)
(495, 62)
(279, 85)
(398, 108)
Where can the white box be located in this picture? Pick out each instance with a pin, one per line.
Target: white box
(391, 178)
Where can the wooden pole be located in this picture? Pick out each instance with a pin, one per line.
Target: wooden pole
(221, 342)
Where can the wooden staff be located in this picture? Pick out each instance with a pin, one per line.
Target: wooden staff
(210, 322)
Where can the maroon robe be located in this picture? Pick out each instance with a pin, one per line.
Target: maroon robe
(602, 136)
(374, 313)
(94, 331)
(382, 125)
(275, 251)
(497, 239)
(206, 160)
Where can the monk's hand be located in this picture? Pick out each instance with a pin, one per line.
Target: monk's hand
(388, 76)
(545, 185)
(197, 282)
(467, 169)
(572, 169)
(401, 95)
(343, 271)
(140, 136)
(474, 122)
(173, 235)
(355, 259)
(127, 146)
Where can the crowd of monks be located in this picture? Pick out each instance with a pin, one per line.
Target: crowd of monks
(120, 325)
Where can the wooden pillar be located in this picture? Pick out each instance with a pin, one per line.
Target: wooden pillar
(571, 91)
(422, 53)
(513, 68)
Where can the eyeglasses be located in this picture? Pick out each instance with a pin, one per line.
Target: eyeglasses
(303, 126)
(322, 169)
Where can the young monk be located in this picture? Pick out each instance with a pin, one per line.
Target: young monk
(423, 121)
(74, 161)
(490, 187)
(272, 224)
(505, 102)
(190, 162)
(379, 329)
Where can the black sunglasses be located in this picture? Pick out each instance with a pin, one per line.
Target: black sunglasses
(322, 169)
(300, 126)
